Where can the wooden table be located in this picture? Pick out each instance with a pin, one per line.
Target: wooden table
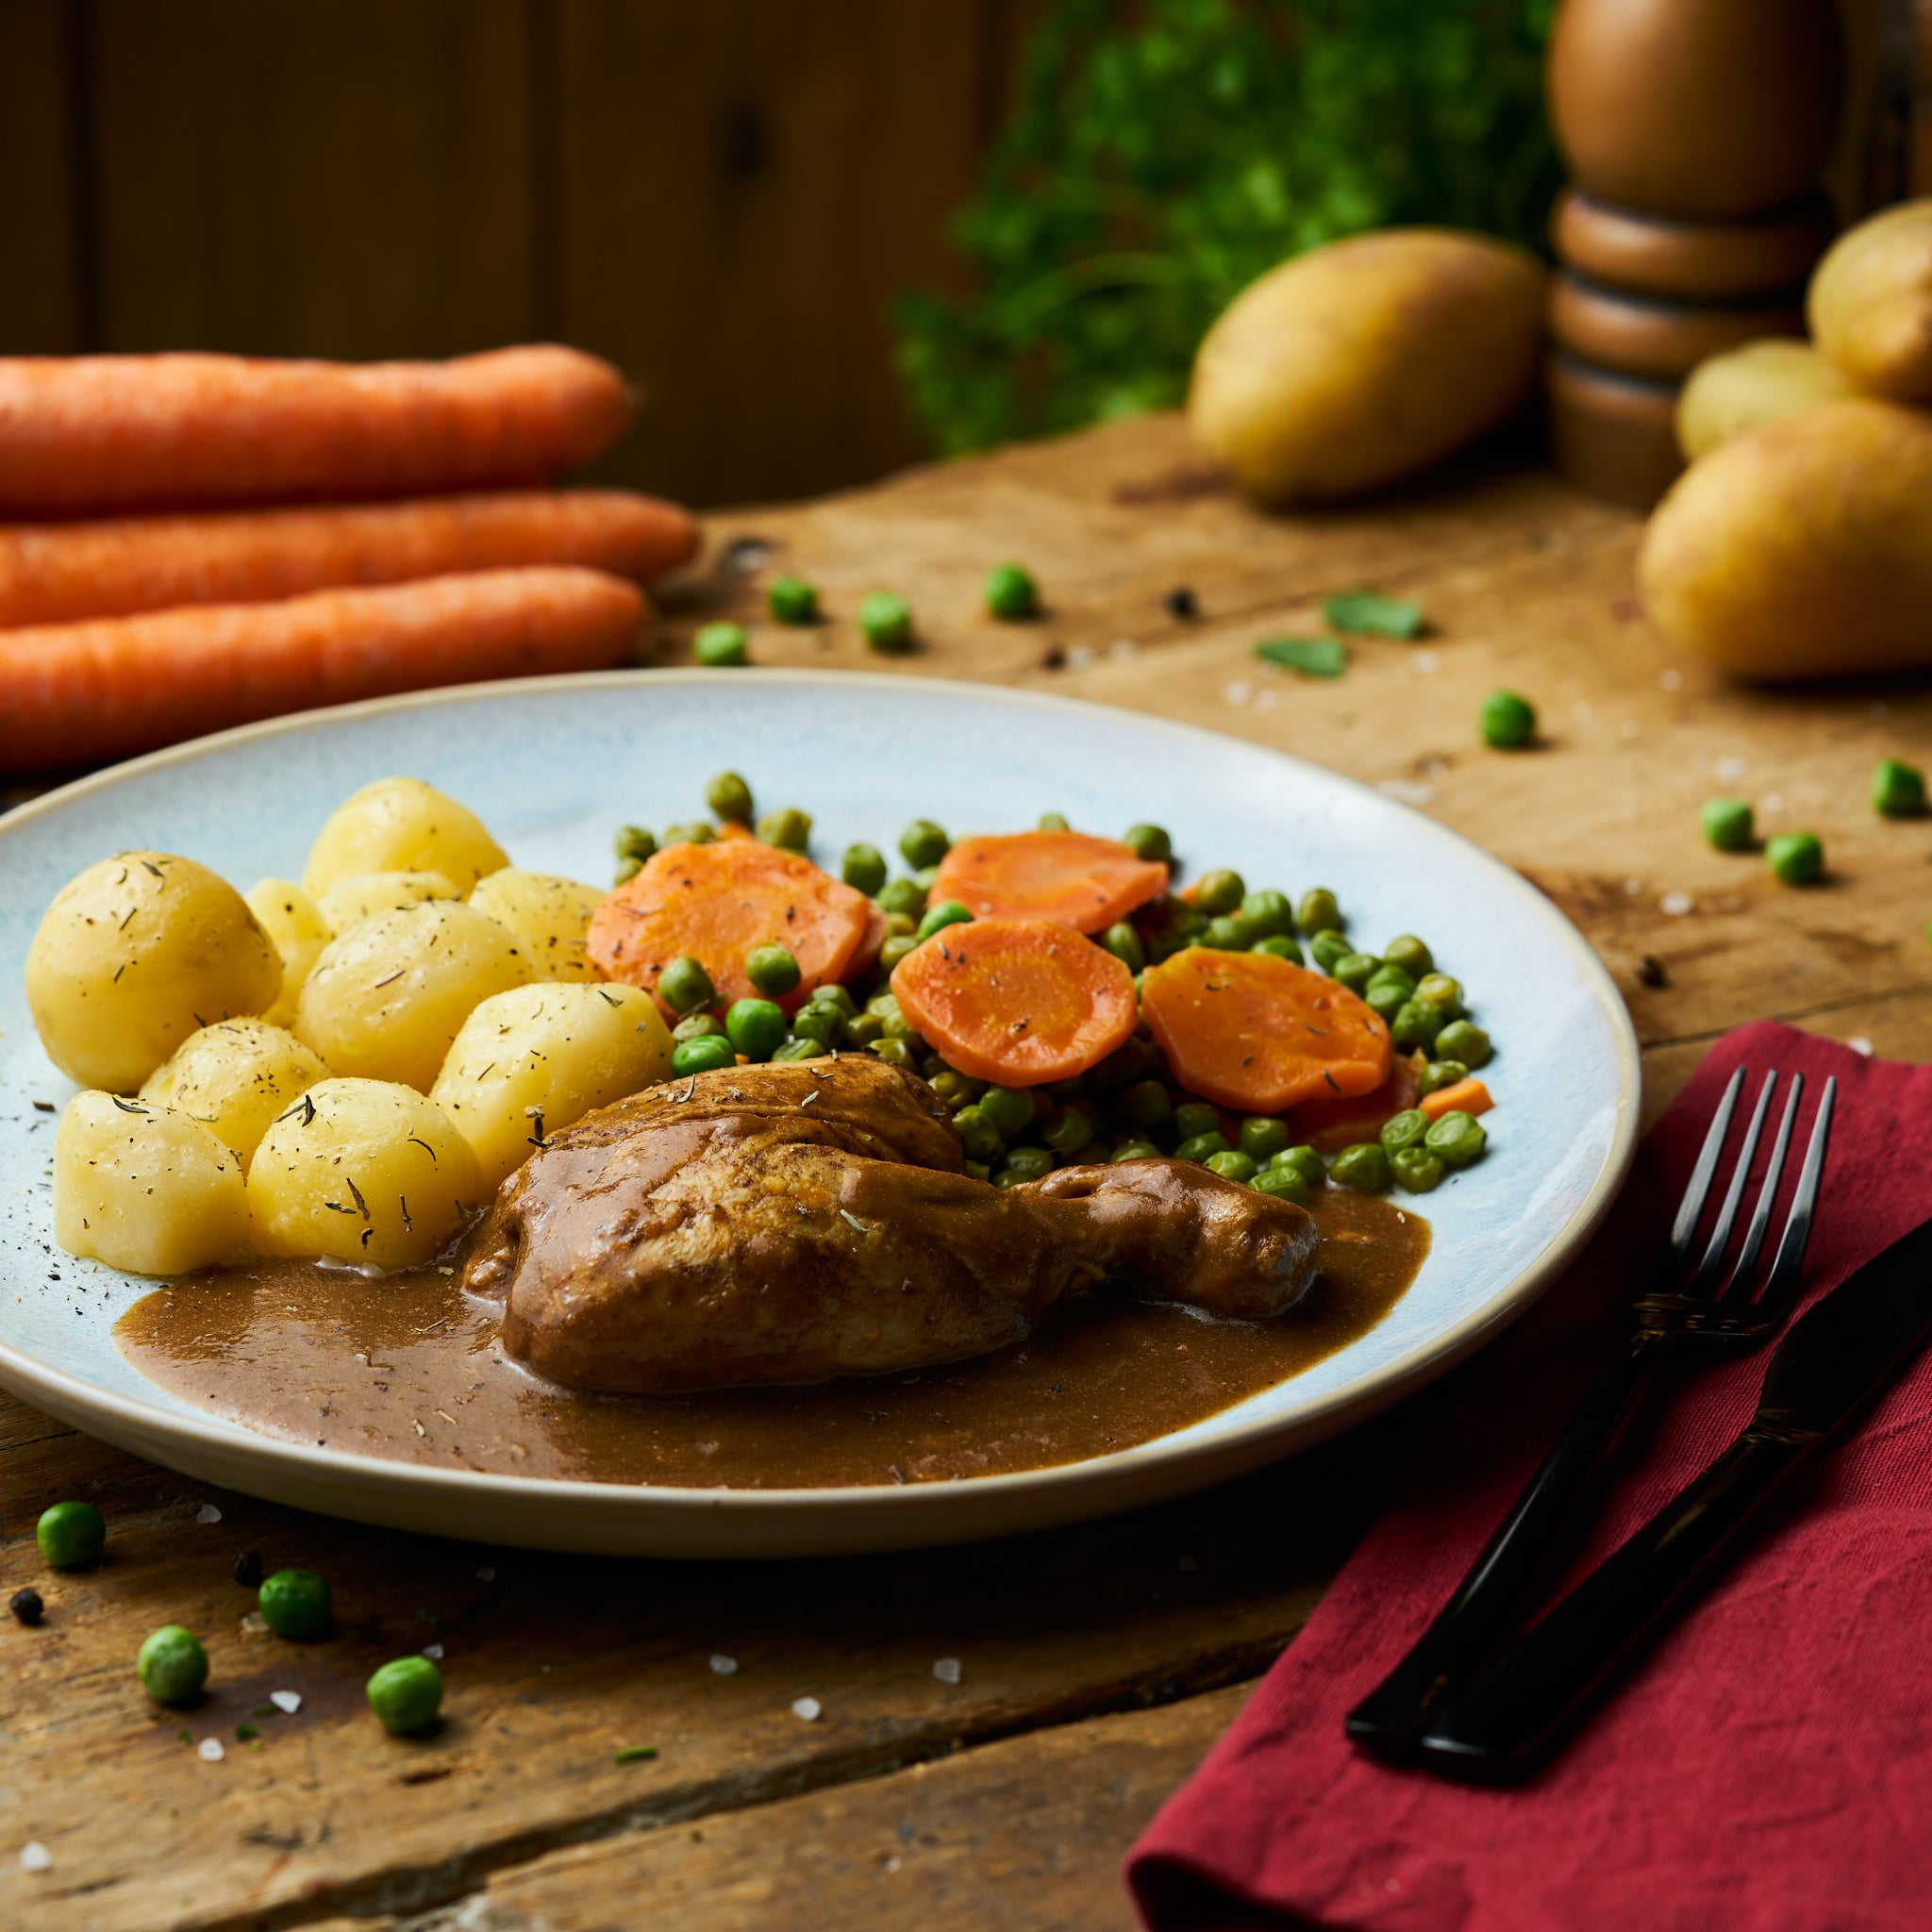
(1097, 1664)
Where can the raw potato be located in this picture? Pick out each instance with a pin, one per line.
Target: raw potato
(294, 921)
(1367, 359)
(363, 894)
(386, 998)
(401, 825)
(530, 1062)
(1803, 549)
(1751, 385)
(362, 1171)
(144, 1188)
(234, 1078)
(550, 915)
(136, 954)
(1871, 303)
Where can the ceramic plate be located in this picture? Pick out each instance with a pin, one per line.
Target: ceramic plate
(553, 765)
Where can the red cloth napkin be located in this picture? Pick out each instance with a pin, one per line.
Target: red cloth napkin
(1768, 1768)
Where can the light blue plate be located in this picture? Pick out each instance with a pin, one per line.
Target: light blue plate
(554, 764)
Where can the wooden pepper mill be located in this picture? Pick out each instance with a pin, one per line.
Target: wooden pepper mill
(1695, 131)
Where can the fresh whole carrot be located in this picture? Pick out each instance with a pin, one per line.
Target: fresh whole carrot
(1464, 1096)
(81, 694)
(86, 434)
(1252, 1032)
(55, 572)
(1071, 877)
(1016, 1001)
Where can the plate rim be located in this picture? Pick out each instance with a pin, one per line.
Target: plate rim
(35, 1381)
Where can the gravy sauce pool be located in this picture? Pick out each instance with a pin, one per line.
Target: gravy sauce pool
(407, 1368)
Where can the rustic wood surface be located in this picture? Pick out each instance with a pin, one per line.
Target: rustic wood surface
(1097, 1664)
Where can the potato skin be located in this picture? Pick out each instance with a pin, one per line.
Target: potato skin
(1871, 303)
(363, 894)
(534, 1060)
(133, 956)
(1753, 384)
(362, 1171)
(294, 921)
(550, 915)
(145, 1188)
(1367, 359)
(235, 1077)
(1803, 549)
(386, 998)
(401, 825)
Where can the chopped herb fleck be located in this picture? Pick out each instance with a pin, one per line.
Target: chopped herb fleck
(634, 1754)
(1308, 657)
(1382, 617)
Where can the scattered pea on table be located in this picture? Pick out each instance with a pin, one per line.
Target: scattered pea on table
(722, 644)
(295, 1604)
(1898, 789)
(1507, 720)
(71, 1533)
(1796, 858)
(1727, 824)
(171, 1665)
(406, 1694)
(791, 600)
(886, 620)
(1012, 594)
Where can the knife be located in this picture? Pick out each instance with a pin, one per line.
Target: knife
(1511, 1719)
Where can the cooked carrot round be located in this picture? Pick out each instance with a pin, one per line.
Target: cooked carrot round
(1250, 1031)
(717, 902)
(1070, 877)
(1016, 1001)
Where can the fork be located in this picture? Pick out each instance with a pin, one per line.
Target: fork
(1720, 1308)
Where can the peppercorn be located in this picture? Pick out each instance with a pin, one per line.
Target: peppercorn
(26, 1606)
(247, 1569)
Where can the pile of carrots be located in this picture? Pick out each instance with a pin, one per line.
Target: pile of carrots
(192, 542)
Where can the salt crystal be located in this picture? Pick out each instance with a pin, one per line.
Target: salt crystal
(486, 1574)
(1268, 700)
(35, 1857)
(1080, 656)
(724, 1666)
(1771, 801)
(1630, 728)
(1860, 1045)
(287, 1702)
(209, 1750)
(1583, 711)
(1426, 663)
(1122, 647)
(254, 1624)
(433, 1652)
(208, 1513)
(892, 1864)
(1730, 770)
(807, 1707)
(1235, 693)
(1407, 791)
(1632, 887)
(946, 1669)
(1670, 680)
(1675, 904)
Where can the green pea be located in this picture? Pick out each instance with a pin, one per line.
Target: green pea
(1012, 594)
(865, 1029)
(883, 1006)
(1069, 1089)
(1149, 842)
(696, 833)
(1195, 1117)
(1796, 858)
(1506, 720)
(1410, 953)
(1460, 1041)
(863, 869)
(1123, 943)
(923, 844)
(1066, 1130)
(1284, 1183)
(1144, 1104)
(773, 969)
(1302, 1160)
(1006, 1178)
(900, 925)
(294, 1603)
(1415, 1023)
(799, 1048)
(406, 1694)
(1229, 933)
(756, 1027)
(896, 1052)
(1436, 1075)
(1404, 1130)
(696, 1026)
(1898, 789)
(947, 912)
(978, 1134)
(902, 895)
(1363, 1167)
(834, 995)
(956, 1089)
(171, 1665)
(1327, 946)
(1219, 892)
(825, 1025)
(709, 1055)
(1457, 1140)
(71, 1533)
(1010, 1108)
(896, 949)
(1281, 945)
(1135, 1150)
(730, 798)
(1268, 913)
(1052, 821)
(789, 829)
(627, 869)
(1442, 992)
(1389, 990)
(1318, 911)
(791, 600)
(1417, 1171)
(1727, 824)
(1028, 1163)
(1354, 969)
(635, 841)
(1261, 1138)
(684, 984)
(886, 619)
(1233, 1166)
(1202, 1146)
(979, 1171)
(722, 644)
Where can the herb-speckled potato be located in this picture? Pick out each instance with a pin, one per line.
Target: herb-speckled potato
(144, 1188)
(362, 1171)
(363, 894)
(550, 915)
(136, 954)
(401, 825)
(294, 921)
(234, 1078)
(1753, 384)
(530, 1062)
(386, 998)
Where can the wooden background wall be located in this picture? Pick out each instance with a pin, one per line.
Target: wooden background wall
(724, 196)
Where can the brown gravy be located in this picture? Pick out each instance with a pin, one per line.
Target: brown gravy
(407, 1368)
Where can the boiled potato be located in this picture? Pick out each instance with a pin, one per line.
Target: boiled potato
(362, 1171)
(1871, 303)
(144, 1188)
(386, 998)
(534, 1060)
(235, 1077)
(1366, 360)
(1756, 383)
(401, 825)
(1803, 549)
(550, 915)
(294, 921)
(135, 955)
(363, 894)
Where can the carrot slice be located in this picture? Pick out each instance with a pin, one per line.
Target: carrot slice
(1329, 1125)
(1070, 877)
(866, 955)
(717, 902)
(1465, 1096)
(1250, 1031)
(1019, 1001)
